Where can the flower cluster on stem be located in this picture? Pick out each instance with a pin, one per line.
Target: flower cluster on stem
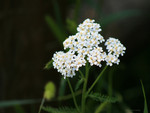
(84, 47)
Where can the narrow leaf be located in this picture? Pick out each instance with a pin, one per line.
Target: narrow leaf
(71, 26)
(78, 84)
(60, 35)
(49, 65)
(145, 102)
(17, 102)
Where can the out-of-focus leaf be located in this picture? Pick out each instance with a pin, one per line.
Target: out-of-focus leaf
(49, 65)
(60, 35)
(17, 102)
(145, 102)
(50, 90)
(71, 26)
(119, 16)
(62, 87)
(77, 9)
(57, 12)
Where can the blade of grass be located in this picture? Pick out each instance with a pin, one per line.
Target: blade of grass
(49, 65)
(145, 102)
(17, 102)
(60, 35)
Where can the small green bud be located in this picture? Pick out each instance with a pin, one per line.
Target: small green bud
(50, 91)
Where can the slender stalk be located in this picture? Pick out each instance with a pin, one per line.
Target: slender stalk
(101, 107)
(110, 81)
(69, 96)
(81, 73)
(73, 95)
(42, 102)
(99, 76)
(84, 88)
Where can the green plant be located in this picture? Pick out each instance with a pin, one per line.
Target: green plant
(84, 50)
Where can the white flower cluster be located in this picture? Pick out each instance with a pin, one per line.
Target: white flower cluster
(86, 39)
(67, 63)
(83, 47)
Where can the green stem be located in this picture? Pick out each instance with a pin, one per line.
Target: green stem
(43, 100)
(96, 80)
(84, 88)
(69, 96)
(81, 73)
(73, 95)
(101, 107)
(110, 89)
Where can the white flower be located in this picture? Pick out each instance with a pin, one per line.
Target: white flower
(67, 63)
(110, 59)
(85, 39)
(115, 47)
(96, 56)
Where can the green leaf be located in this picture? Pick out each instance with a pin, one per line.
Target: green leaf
(17, 102)
(102, 98)
(145, 102)
(49, 65)
(50, 90)
(119, 16)
(60, 35)
(60, 110)
(71, 26)
(78, 84)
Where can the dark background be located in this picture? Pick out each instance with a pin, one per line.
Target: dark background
(27, 43)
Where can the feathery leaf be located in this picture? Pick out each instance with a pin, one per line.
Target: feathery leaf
(102, 98)
(60, 110)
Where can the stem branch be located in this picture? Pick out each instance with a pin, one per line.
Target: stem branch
(84, 88)
(73, 95)
(42, 102)
(99, 76)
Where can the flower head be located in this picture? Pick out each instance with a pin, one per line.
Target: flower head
(86, 39)
(96, 56)
(67, 63)
(115, 47)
